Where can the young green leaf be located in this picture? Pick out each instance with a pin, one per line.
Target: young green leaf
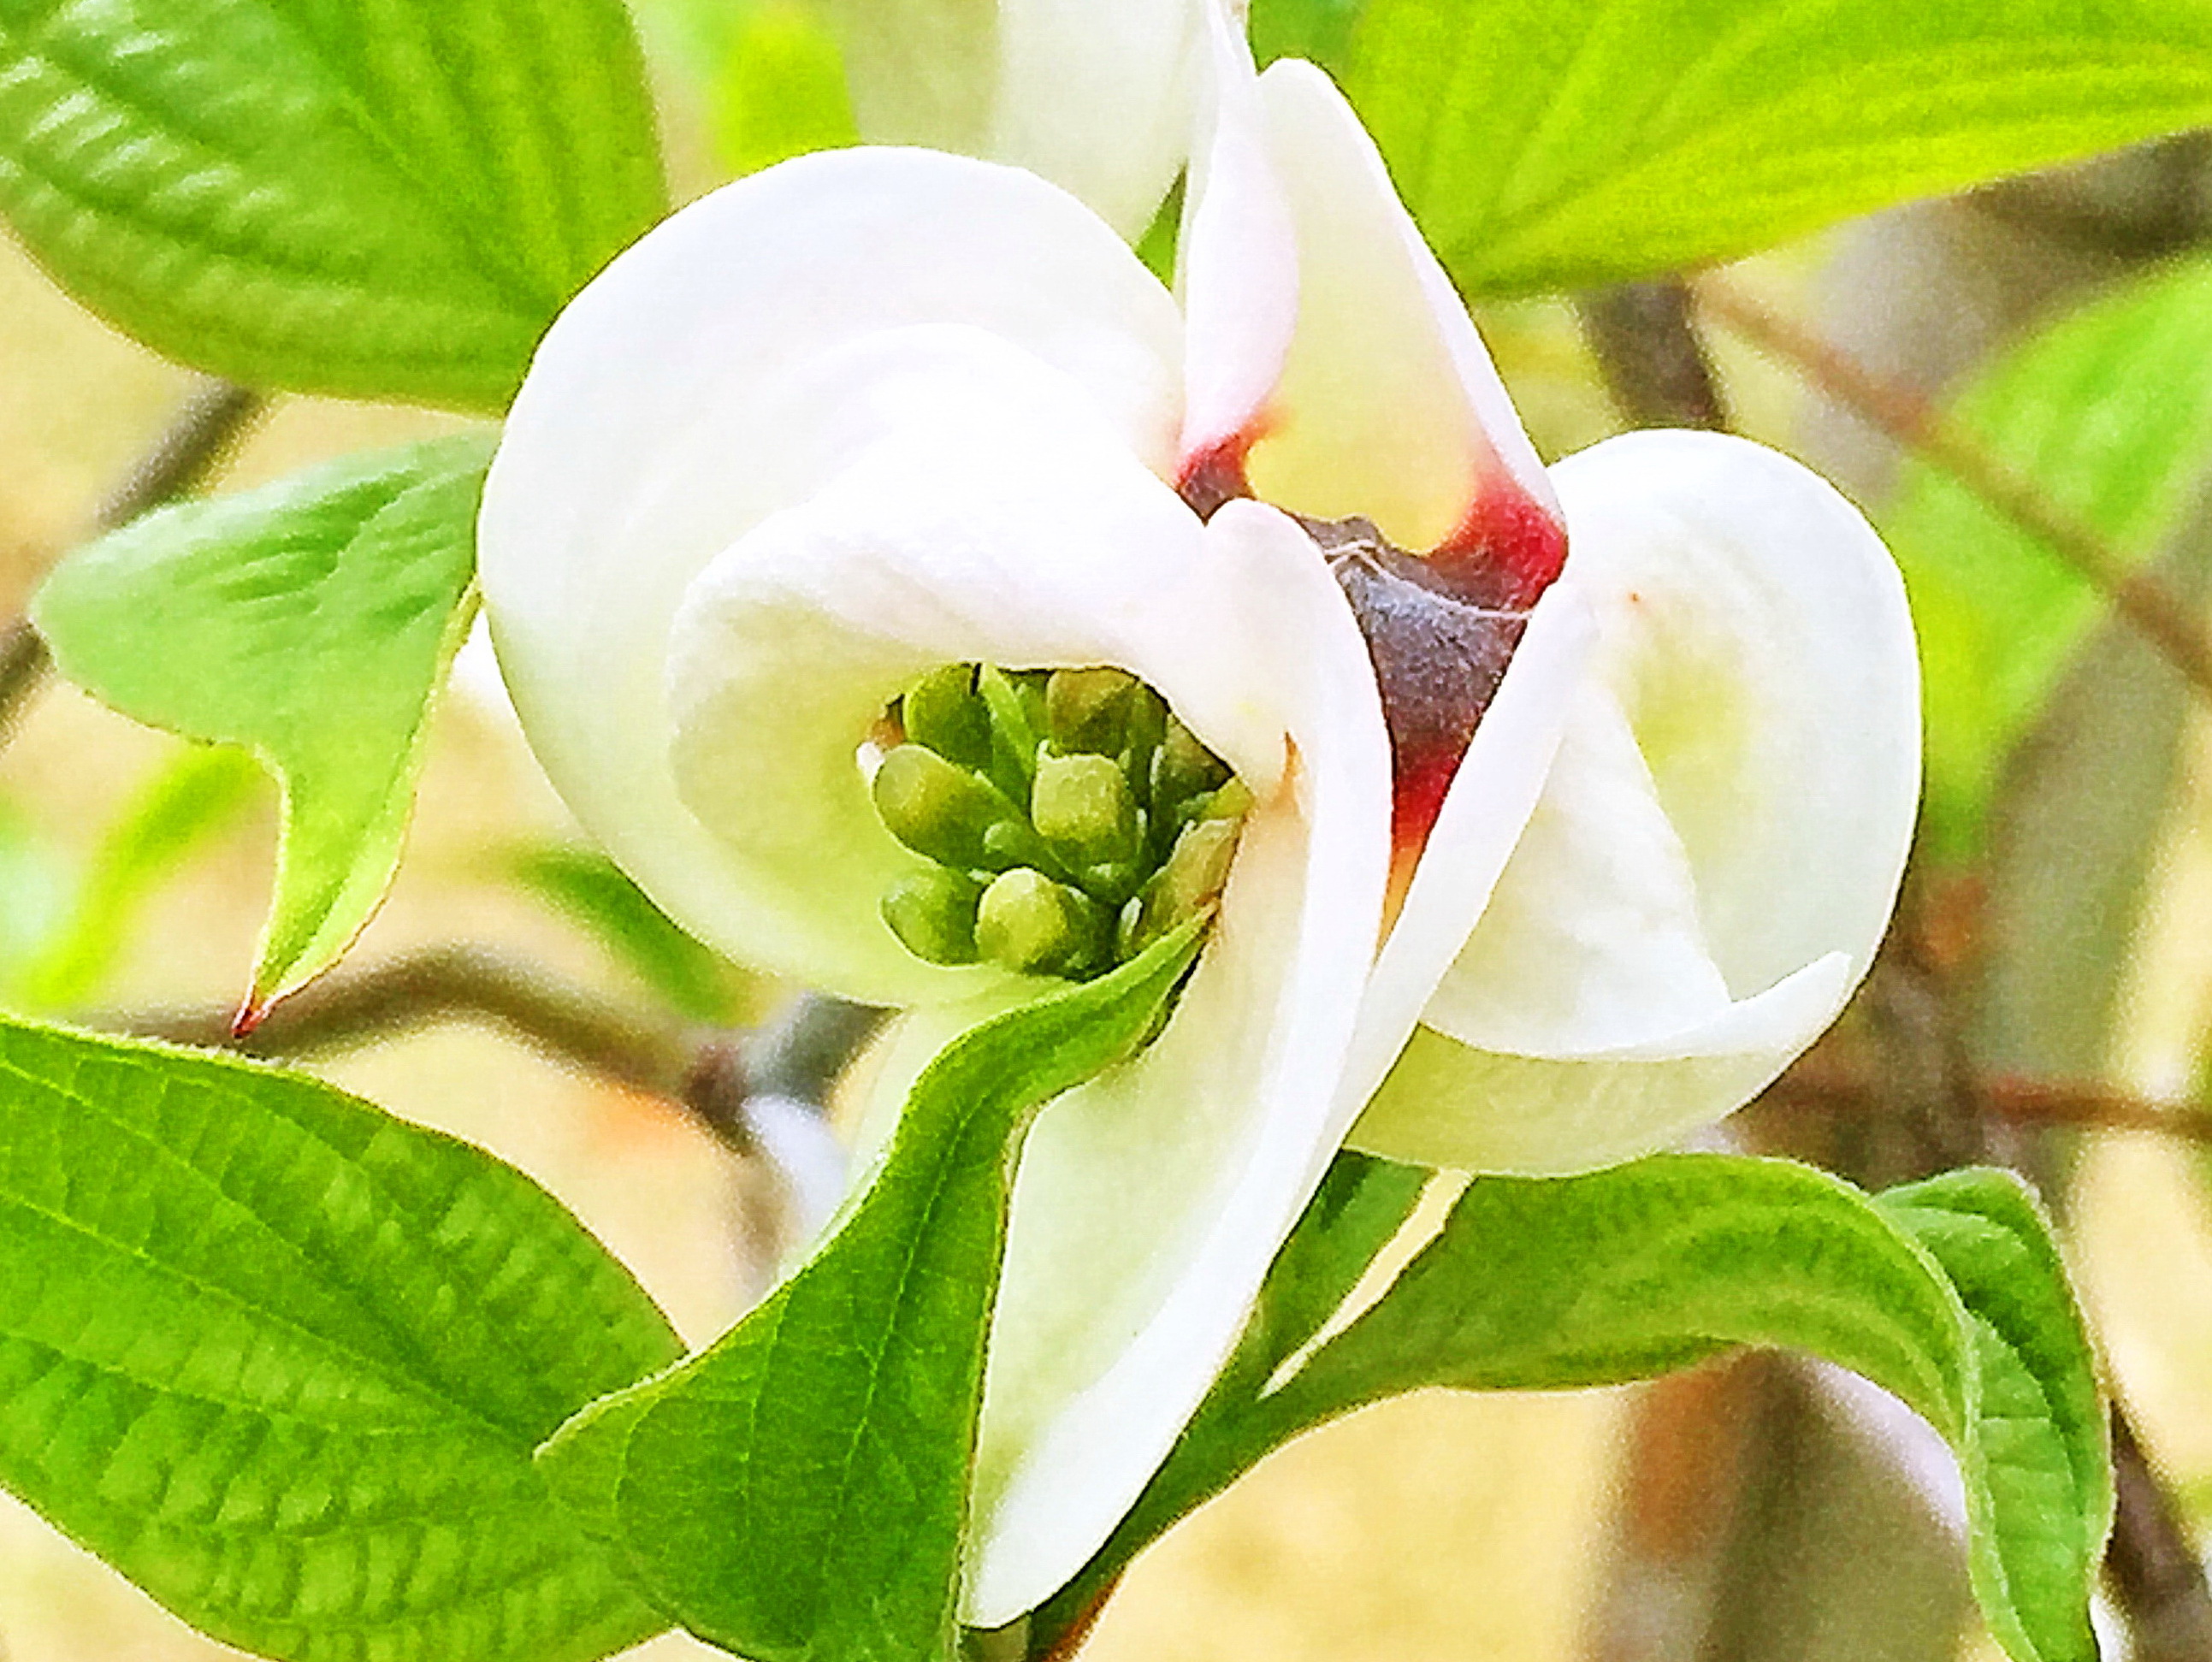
(311, 621)
(1949, 1295)
(1546, 146)
(2109, 413)
(385, 200)
(799, 1489)
(281, 1360)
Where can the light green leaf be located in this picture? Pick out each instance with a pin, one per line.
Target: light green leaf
(778, 90)
(799, 1489)
(188, 802)
(38, 889)
(591, 890)
(311, 621)
(2109, 414)
(1948, 1293)
(386, 199)
(282, 1359)
(1546, 146)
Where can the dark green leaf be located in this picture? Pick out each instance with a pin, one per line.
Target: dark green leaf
(373, 198)
(799, 1489)
(2109, 414)
(1546, 146)
(1361, 1204)
(1949, 1295)
(311, 621)
(282, 1359)
(590, 889)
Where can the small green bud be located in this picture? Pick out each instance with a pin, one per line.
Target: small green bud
(933, 913)
(944, 711)
(1184, 768)
(1011, 842)
(1014, 733)
(1087, 711)
(1029, 923)
(1189, 883)
(1232, 801)
(941, 812)
(1082, 806)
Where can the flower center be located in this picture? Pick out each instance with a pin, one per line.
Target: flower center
(1439, 654)
(1069, 821)
(1440, 628)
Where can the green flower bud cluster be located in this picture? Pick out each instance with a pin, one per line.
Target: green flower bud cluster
(1070, 821)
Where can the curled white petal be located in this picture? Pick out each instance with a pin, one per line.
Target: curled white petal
(1715, 856)
(1150, 1203)
(1388, 406)
(1238, 258)
(1095, 99)
(1098, 99)
(716, 375)
(1499, 784)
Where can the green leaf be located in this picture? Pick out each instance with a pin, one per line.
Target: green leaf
(378, 199)
(1545, 146)
(2109, 414)
(1361, 1204)
(590, 889)
(799, 1489)
(1950, 1294)
(282, 1359)
(311, 621)
(2039, 1484)
(187, 804)
(1317, 30)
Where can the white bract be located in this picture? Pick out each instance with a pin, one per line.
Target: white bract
(876, 411)
(1094, 98)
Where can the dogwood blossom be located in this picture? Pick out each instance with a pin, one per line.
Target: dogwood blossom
(1559, 838)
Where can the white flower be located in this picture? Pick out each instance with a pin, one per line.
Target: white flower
(1094, 98)
(873, 413)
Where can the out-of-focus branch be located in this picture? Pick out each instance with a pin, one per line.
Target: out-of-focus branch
(2154, 1569)
(205, 427)
(353, 1008)
(1914, 423)
(201, 433)
(1644, 338)
(2023, 1102)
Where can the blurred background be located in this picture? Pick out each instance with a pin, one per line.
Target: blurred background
(2047, 1002)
